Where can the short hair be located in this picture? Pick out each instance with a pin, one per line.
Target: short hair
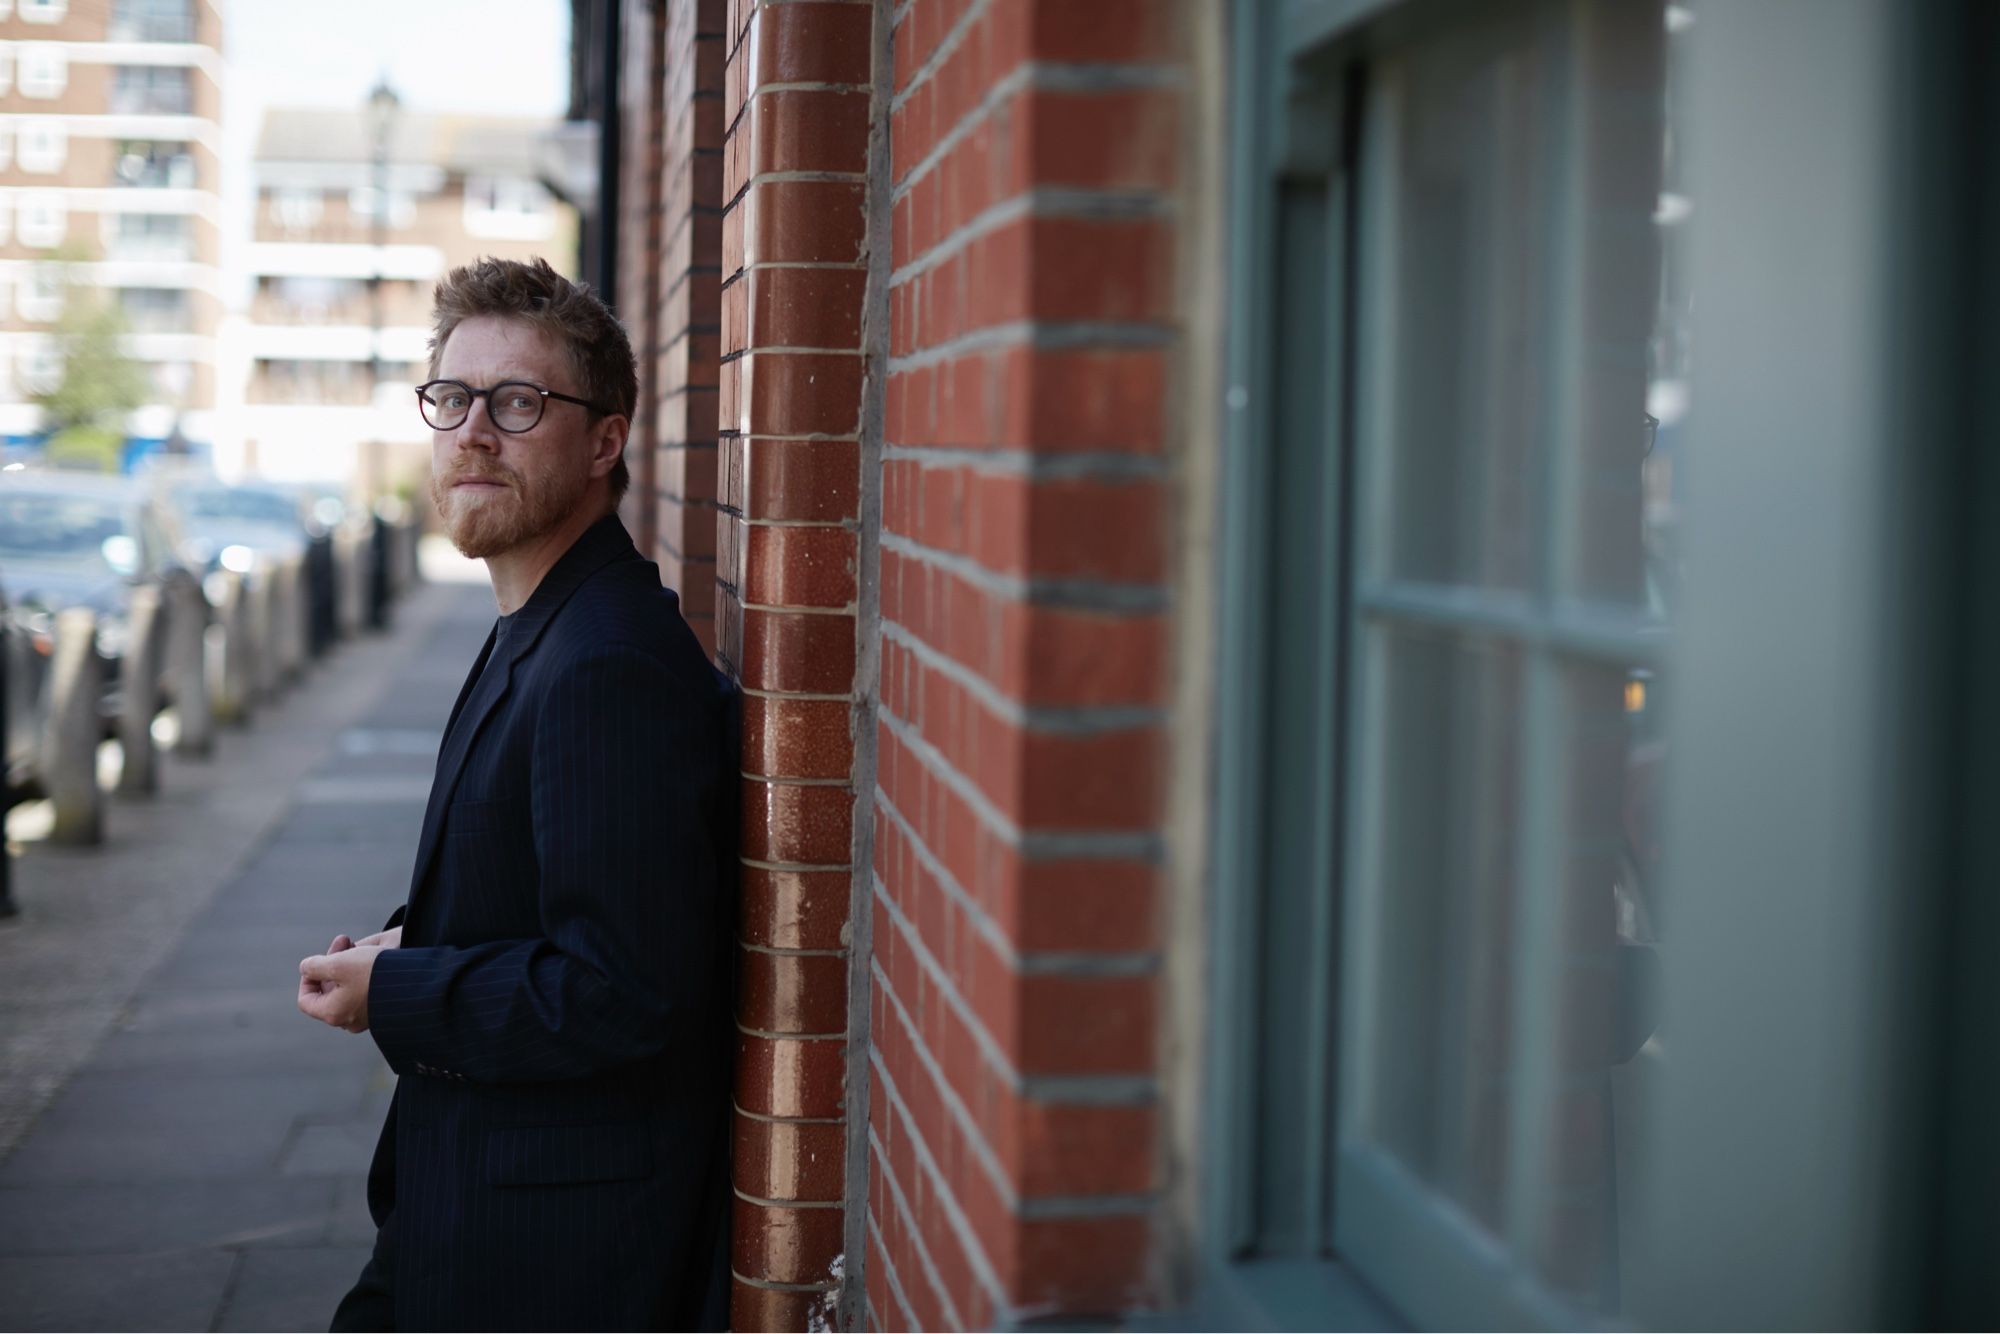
(567, 312)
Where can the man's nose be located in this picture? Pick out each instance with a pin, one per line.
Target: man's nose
(477, 431)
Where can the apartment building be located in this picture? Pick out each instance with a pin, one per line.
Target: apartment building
(350, 235)
(110, 134)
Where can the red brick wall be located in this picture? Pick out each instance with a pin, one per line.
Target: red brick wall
(639, 265)
(798, 94)
(1013, 1113)
(688, 303)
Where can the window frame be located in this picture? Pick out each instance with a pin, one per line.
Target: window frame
(1928, 376)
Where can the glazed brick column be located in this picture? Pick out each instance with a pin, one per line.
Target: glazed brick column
(639, 251)
(1014, 1109)
(689, 305)
(798, 102)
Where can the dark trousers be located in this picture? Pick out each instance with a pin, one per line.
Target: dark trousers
(371, 1303)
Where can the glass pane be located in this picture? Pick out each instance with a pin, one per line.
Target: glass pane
(1464, 264)
(1523, 376)
(1445, 856)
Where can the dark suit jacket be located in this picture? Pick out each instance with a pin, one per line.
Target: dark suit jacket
(556, 1153)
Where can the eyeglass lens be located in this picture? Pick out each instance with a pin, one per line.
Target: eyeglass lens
(513, 406)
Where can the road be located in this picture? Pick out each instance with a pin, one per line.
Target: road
(183, 1149)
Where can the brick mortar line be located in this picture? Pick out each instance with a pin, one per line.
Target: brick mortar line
(778, 952)
(1082, 1090)
(889, 1270)
(793, 780)
(1050, 720)
(1109, 845)
(1034, 465)
(758, 865)
(788, 610)
(924, 1259)
(771, 1284)
(1036, 202)
(1084, 964)
(1078, 335)
(772, 265)
(1032, 1207)
(1048, 76)
(1105, 596)
(940, 53)
(743, 1111)
(760, 1200)
(968, 1236)
(975, 1134)
(774, 1036)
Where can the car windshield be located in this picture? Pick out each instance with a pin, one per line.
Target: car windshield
(52, 526)
(224, 502)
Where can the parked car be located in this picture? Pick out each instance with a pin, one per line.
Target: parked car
(237, 527)
(81, 540)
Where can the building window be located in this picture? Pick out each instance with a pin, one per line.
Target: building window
(152, 21)
(6, 219)
(1464, 551)
(6, 68)
(44, 11)
(44, 146)
(41, 296)
(44, 69)
(156, 309)
(362, 203)
(297, 210)
(43, 221)
(148, 164)
(508, 208)
(6, 146)
(149, 235)
(39, 368)
(152, 90)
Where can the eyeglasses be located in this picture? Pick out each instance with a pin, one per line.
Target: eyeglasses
(513, 405)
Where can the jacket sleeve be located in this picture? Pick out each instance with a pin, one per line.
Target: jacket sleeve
(625, 772)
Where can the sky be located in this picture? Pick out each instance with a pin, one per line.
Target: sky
(507, 57)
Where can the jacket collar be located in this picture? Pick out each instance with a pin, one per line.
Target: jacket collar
(601, 543)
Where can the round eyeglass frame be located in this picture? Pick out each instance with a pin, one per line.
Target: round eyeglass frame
(473, 394)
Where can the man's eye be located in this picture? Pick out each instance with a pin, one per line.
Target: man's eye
(451, 399)
(522, 401)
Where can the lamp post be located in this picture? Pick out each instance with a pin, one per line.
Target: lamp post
(383, 105)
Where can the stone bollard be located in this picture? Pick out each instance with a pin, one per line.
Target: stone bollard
(139, 689)
(350, 561)
(291, 618)
(69, 745)
(187, 652)
(230, 675)
(261, 592)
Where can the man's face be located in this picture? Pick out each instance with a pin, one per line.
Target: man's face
(496, 490)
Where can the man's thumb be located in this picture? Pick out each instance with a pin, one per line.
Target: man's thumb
(316, 968)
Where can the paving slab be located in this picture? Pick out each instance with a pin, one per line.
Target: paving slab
(294, 1288)
(165, 1290)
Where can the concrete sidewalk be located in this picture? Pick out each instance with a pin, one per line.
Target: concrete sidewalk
(202, 1167)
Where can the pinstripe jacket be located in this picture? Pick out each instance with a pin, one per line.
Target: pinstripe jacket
(556, 1153)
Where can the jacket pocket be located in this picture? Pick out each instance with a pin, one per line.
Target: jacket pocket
(562, 1155)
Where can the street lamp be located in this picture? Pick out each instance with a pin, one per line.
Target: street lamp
(383, 104)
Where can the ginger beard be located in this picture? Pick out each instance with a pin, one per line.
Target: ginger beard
(527, 503)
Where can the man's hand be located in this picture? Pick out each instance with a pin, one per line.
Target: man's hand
(333, 987)
(388, 940)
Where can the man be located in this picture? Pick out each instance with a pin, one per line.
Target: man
(554, 994)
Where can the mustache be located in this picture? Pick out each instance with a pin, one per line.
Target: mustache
(498, 476)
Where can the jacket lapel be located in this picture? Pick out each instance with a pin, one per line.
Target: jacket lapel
(603, 542)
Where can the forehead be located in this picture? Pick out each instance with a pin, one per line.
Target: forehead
(489, 348)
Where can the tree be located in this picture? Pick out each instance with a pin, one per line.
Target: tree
(98, 384)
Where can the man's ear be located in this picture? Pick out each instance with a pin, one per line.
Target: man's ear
(607, 444)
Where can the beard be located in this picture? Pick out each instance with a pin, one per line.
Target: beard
(488, 523)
